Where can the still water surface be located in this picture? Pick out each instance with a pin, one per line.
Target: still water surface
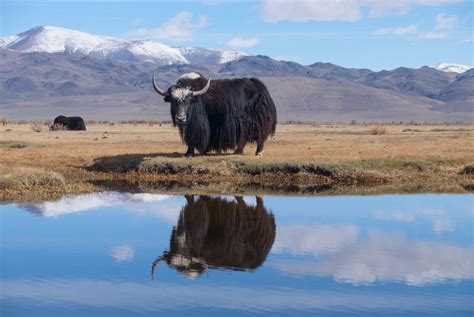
(120, 254)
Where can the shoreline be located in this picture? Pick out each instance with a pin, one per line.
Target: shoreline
(299, 160)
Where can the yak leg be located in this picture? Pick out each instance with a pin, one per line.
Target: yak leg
(189, 152)
(240, 147)
(260, 145)
(241, 144)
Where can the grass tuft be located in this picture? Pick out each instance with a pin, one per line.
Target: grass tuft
(378, 129)
(23, 178)
(37, 126)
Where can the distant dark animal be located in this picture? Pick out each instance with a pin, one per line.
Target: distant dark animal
(68, 123)
(218, 233)
(220, 115)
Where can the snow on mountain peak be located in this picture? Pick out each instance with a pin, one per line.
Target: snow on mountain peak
(454, 68)
(50, 39)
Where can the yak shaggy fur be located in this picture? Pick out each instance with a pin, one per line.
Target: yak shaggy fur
(68, 123)
(231, 113)
(213, 232)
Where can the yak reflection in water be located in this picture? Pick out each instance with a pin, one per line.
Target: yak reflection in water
(217, 233)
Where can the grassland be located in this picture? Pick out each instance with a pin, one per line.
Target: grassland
(304, 159)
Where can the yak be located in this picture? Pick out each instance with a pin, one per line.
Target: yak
(220, 115)
(68, 123)
(213, 232)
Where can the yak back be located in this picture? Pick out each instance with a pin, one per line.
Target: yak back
(71, 123)
(233, 108)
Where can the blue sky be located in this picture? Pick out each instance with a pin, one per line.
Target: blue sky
(375, 34)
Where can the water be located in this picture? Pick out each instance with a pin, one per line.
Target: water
(93, 255)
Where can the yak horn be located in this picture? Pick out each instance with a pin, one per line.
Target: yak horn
(155, 264)
(204, 90)
(157, 89)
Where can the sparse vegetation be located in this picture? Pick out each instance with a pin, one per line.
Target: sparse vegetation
(26, 178)
(378, 129)
(37, 126)
(300, 158)
(13, 144)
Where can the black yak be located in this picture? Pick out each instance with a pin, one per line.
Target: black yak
(68, 123)
(218, 233)
(220, 115)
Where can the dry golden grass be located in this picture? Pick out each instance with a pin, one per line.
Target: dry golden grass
(423, 154)
(26, 178)
(378, 129)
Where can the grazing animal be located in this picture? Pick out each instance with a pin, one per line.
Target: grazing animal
(217, 233)
(220, 115)
(68, 123)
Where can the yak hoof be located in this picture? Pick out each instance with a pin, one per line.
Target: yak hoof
(259, 153)
(189, 155)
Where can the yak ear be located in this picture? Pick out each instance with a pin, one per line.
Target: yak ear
(167, 99)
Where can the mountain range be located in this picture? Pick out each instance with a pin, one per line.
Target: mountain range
(47, 71)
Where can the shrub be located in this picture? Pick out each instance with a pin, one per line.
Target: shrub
(37, 126)
(3, 120)
(378, 129)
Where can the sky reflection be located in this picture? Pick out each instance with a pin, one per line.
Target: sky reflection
(93, 255)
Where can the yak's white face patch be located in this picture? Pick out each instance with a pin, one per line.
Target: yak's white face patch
(191, 75)
(181, 93)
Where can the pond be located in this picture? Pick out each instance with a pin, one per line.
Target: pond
(137, 254)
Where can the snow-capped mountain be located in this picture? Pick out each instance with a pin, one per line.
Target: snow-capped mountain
(451, 68)
(49, 39)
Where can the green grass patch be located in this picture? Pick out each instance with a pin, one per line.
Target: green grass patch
(13, 144)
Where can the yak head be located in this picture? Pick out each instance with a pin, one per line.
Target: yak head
(183, 94)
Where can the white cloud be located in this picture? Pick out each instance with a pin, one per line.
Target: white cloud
(181, 26)
(438, 217)
(433, 35)
(314, 239)
(338, 10)
(122, 253)
(444, 21)
(243, 42)
(311, 10)
(403, 30)
(79, 203)
(387, 258)
(384, 7)
(441, 221)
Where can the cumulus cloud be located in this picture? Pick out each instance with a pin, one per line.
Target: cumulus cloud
(337, 10)
(237, 42)
(122, 253)
(444, 21)
(181, 26)
(79, 203)
(314, 239)
(386, 258)
(403, 30)
(384, 7)
(311, 10)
